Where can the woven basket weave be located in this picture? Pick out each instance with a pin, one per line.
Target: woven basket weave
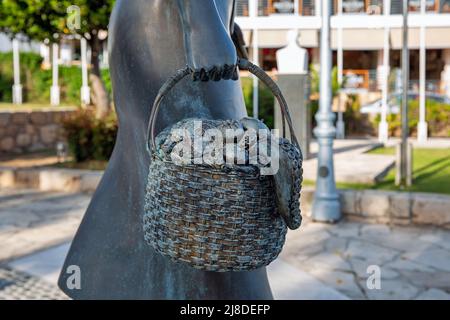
(209, 218)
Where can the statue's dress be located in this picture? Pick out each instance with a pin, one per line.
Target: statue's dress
(148, 42)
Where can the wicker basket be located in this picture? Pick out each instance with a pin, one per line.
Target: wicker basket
(209, 218)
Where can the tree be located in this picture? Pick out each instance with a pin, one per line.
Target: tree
(42, 19)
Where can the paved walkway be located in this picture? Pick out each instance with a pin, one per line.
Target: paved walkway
(318, 262)
(32, 220)
(434, 143)
(414, 262)
(351, 161)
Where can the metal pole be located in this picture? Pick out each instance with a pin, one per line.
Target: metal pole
(17, 87)
(405, 87)
(255, 79)
(422, 127)
(253, 11)
(340, 126)
(326, 206)
(383, 134)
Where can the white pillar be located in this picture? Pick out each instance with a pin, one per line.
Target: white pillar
(318, 7)
(383, 134)
(422, 126)
(297, 7)
(445, 75)
(54, 90)
(253, 12)
(340, 125)
(45, 54)
(85, 90)
(17, 87)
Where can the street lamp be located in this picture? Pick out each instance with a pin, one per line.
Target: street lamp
(326, 206)
(404, 113)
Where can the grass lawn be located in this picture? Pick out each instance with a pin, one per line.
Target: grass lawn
(29, 106)
(431, 172)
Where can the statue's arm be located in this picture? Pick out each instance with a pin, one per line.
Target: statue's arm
(210, 51)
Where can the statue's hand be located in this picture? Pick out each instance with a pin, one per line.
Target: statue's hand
(210, 51)
(216, 73)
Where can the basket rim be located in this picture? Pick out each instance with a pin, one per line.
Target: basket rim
(251, 170)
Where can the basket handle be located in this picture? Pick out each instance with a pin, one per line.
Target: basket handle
(243, 65)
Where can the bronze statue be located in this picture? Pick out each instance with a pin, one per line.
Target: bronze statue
(148, 41)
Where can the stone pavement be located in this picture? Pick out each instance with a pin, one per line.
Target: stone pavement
(350, 161)
(318, 262)
(33, 220)
(414, 262)
(434, 143)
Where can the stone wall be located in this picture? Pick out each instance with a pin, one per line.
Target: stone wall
(27, 131)
(390, 207)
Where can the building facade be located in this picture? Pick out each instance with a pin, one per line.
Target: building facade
(361, 29)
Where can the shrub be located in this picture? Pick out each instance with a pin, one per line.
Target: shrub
(356, 123)
(37, 82)
(30, 64)
(437, 115)
(265, 103)
(90, 138)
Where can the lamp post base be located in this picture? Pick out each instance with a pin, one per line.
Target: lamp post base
(326, 209)
(326, 206)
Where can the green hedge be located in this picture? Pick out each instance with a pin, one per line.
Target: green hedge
(265, 103)
(437, 116)
(37, 82)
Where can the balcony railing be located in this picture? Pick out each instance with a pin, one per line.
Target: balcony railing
(271, 7)
(307, 7)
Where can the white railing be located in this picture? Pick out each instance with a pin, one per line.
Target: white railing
(349, 7)
(277, 7)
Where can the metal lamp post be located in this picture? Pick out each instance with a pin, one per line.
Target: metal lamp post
(404, 111)
(253, 10)
(383, 128)
(422, 126)
(340, 125)
(326, 206)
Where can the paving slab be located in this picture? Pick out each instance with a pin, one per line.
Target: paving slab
(45, 264)
(290, 283)
(17, 285)
(391, 290)
(434, 294)
(350, 161)
(31, 221)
